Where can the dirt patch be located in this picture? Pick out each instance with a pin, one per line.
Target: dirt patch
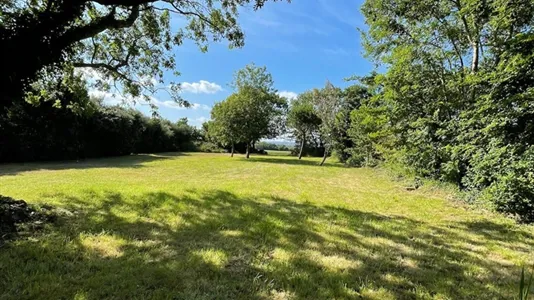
(16, 216)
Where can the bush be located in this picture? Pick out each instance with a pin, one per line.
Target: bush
(45, 132)
(209, 147)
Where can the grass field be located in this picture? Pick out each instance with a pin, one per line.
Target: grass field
(205, 226)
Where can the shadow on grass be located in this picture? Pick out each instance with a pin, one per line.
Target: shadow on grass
(130, 161)
(216, 245)
(290, 160)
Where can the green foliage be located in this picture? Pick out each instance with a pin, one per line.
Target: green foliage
(327, 103)
(442, 116)
(129, 43)
(271, 146)
(209, 147)
(352, 98)
(303, 119)
(255, 77)
(253, 112)
(72, 127)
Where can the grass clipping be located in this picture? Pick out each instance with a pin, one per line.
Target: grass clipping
(16, 217)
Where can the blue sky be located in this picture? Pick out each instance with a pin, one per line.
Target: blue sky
(303, 44)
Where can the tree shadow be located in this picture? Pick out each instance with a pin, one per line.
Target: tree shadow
(214, 244)
(290, 160)
(130, 161)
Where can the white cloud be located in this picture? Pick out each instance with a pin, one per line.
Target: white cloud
(149, 80)
(201, 87)
(107, 97)
(172, 104)
(115, 99)
(288, 95)
(197, 122)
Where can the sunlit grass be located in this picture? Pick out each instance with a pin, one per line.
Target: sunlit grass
(206, 226)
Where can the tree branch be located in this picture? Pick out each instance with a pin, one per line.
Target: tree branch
(129, 3)
(113, 69)
(99, 25)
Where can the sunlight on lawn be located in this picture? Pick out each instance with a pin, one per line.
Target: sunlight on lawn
(204, 226)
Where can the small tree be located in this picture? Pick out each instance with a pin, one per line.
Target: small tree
(303, 119)
(327, 103)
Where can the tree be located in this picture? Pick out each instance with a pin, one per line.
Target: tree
(251, 112)
(255, 110)
(128, 42)
(352, 97)
(224, 126)
(452, 104)
(327, 103)
(256, 103)
(255, 77)
(302, 118)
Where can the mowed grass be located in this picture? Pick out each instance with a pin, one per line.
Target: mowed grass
(206, 226)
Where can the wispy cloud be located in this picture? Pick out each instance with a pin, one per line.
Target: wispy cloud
(201, 87)
(174, 105)
(284, 23)
(347, 14)
(336, 51)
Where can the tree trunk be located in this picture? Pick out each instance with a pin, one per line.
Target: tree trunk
(248, 150)
(474, 63)
(233, 149)
(302, 146)
(324, 156)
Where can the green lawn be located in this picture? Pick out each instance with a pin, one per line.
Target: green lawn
(206, 226)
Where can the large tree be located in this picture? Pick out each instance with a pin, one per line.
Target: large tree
(128, 42)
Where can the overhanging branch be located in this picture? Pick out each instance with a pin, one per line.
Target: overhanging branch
(110, 68)
(99, 25)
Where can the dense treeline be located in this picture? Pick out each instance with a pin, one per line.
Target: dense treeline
(457, 100)
(75, 127)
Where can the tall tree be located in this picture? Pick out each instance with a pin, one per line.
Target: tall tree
(128, 42)
(303, 119)
(327, 103)
(352, 97)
